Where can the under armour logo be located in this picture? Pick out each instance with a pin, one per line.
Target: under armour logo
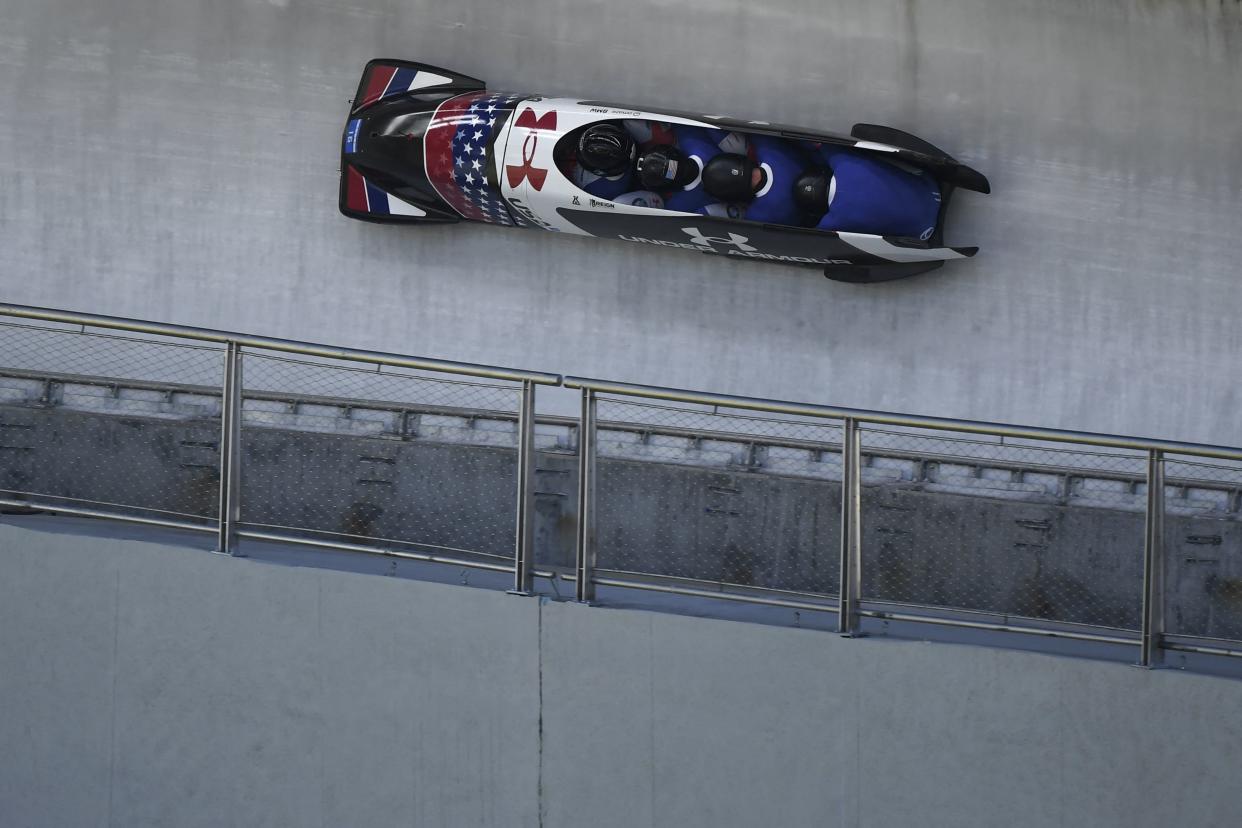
(545, 122)
(519, 173)
(734, 239)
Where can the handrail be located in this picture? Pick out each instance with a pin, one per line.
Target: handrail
(587, 575)
(272, 344)
(627, 389)
(863, 415)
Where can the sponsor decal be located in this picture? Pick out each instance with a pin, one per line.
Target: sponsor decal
(736, 246)
(738, 241)
(628, 113)
(527, 119)
(528, 214)
(597, 203)
(577, 202)
(515, 173)
(351, 135)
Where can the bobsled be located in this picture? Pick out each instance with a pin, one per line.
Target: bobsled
(426, 145)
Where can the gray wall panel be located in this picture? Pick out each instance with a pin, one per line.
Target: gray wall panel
(252, 694)
(58, 638)
(217, 699)
(430, 713)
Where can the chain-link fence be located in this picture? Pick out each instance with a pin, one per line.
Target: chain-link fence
(705, 492)
(730, 497)
(1203, 548)
(375, 455)
(110, 423)
(1017, 530)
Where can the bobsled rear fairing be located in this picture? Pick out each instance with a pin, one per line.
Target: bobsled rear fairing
(398, 147)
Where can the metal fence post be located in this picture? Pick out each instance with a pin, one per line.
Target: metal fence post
(230, 451)
(524, 550)
(851, 521)
(1150, 652)
(585, 553)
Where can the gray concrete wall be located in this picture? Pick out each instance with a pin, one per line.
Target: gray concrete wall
(178, 161)
(145, 684)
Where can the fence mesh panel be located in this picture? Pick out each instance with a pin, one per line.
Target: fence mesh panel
(68, 351)
(725, 496)
(375, 456)
(130, 424)
(1033, 531)
(1203, 548)
(114, 423)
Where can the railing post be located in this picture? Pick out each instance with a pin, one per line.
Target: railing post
(524, 551)
(1150, 652)
(585, 553)
(230, 450)
(851, 537)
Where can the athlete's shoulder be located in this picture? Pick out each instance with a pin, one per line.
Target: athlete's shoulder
(649, 134)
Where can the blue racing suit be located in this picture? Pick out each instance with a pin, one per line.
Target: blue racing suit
(781, 163)
(870, 195)
(702, 145)
(598, 185)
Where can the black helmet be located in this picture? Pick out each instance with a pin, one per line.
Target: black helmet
(811, 190)
(665, 168)
(727, 177)
(605, 149)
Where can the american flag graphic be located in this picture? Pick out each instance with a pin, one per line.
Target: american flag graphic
(458, 152)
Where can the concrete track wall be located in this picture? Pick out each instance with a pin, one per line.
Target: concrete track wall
(178, 161)
(146, 684)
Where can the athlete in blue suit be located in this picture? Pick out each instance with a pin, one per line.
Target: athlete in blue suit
(601, 186)
(864, 194)
(759, 188)
(780, 163)
(677, 170)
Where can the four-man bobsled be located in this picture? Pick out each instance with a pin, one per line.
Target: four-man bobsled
(428, 145)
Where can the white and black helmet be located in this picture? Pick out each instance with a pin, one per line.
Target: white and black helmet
(605, 149)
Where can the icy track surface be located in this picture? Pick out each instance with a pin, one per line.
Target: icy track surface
(178, 161)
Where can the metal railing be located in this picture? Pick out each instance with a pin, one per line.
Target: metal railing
(246, 385)
(865, 585)
(865, 514)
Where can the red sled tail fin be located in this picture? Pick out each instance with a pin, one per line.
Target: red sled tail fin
(385, 78)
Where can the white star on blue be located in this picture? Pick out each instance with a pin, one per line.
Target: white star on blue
(470, 145)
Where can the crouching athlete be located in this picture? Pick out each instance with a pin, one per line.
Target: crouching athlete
(759, 188)
(853, 192)
(676, 169)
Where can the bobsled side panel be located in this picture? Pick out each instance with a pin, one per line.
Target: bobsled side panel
(727, 237)
(463, 147)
